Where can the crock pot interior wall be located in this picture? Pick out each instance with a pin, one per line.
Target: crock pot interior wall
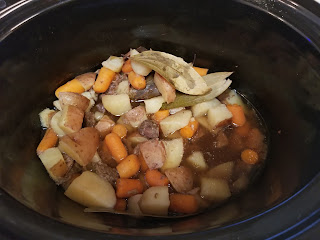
(274, 67)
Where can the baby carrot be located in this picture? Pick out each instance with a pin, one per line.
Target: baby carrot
(116, 147)
(243, 130)
(49, 140)
(121, 205)
(238, 117)
(120, 130)
(183, 203)
(128, 187)
(127, 67)
(249, 156)
(160, 115)
(129, 166)
(74, 86)
(189, 130)
(201, 71)
(104, 80)
(137, 81)
(155, 178)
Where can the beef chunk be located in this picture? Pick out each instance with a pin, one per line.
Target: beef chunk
(149, 129)
(104, 171)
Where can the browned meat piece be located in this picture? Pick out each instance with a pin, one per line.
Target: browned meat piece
(149, 129)
(181, 178)
(135, 116)
(104, 171)
(73, 172)
(153, 153)
(115, 83)
(89, 120)
(221, 140)
(101, 108)
(149, 91)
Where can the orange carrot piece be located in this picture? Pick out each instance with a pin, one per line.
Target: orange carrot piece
(104, 80)
(121, 204)
(160, 115)
(183, 203)
(144, 166)
(243, 130)
(137, 81)
(189, 130)
(120, 130)
(74, 86)
(129, 166)
(238, 117)
(126, 68)
(116, 147)
(128, 187)
(155, 178)
(201, 71)
(49, 140)
(249, 156)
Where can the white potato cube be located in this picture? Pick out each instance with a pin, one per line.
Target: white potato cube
(116, 104)
(218, 114)
(45, 117)
(174, 153)
(55, 120)
(123, 87)
(133, 204)
(57, 105)
(155, 201)
(203, 121)
(175, 122)
(201, 109)
(133, 52)
(214, 189)
(90, 190)
(153, 104)
(140, 69)
(197, 161)
(223, 170)
(113, 63)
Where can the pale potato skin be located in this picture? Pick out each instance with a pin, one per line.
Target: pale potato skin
(81, 146)
(74, 99)
(155, 201)
(153, 153)
(87, 80)
(181, 178)
(71, 119)
(91, 191)
(104, 126)
(166, 89)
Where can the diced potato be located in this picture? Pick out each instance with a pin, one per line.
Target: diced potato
(54, 124)
(203, 121)
(201, 109)
(74, 99)
(123, 87)
(133, 52)
(166, 89)
(197, 161)
(87, 80)
(218, 115)
(136, 116)
(45, 117)
(175, 122)
(89, 96)
(175, 110)
(81, 146)
(153, 153)
(174, 135)
(155, 201)
(181, 178)
(98, 115)
(53, 161)
(240, 184)
(91, 191)
(96, 158)
(214, 189)
(71, 119)
(113, 63)
(135, 138)
(153, 104)
(57, 105)
(133, 204)
(116, 104)
(223, 170)
(105, 125)
(233, 97)
(174, 153)
(140, 69)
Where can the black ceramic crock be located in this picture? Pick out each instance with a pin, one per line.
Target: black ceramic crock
(273, 49)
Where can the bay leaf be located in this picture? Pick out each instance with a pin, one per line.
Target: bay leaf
(218, 83)
(174, 69)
